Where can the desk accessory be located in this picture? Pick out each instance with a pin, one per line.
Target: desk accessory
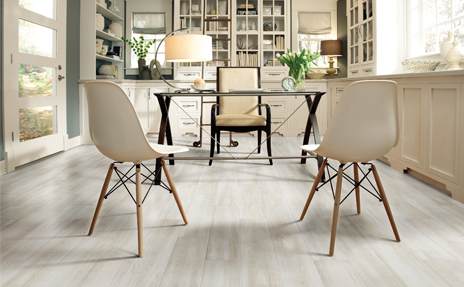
(288, 83)
(202, 90)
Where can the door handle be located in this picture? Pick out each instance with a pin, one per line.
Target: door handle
(60, 77)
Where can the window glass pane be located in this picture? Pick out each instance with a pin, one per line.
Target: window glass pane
(35, 81)
(458, 8)
(431, 40)
(46, 8)
(36, 122)
(444, 10)
(430, 13)
(459, 31)
(151, 51)
(36, 40)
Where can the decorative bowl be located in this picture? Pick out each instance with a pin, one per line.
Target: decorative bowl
(315, 76)
(419, 66)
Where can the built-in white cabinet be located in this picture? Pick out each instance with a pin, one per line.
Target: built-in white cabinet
(90, 60)
(431, 123)
(375, 37)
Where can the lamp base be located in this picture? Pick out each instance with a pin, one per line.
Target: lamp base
(331, 71)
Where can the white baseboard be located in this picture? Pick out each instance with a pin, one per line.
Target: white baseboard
(2, 167)
(72, 143)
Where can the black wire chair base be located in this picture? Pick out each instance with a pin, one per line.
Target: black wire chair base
(124, 178)
(350, 180)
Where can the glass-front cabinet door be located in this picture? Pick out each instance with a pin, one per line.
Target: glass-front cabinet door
(361, 37)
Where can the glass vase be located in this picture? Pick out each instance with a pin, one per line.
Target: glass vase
(300, 80)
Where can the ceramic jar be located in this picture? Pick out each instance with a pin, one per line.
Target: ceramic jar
(454, 56)
(99, 21)
(104, 50)
(116, 29)
(243, 27)
(99, 43)
(445, 47)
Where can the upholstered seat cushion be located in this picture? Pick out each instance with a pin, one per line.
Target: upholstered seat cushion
(240, 120)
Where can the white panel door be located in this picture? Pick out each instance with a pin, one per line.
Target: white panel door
(34, 85)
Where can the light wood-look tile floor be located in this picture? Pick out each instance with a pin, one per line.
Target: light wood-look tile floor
(243, 227)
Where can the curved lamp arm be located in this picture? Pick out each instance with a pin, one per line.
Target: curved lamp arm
(156, 55)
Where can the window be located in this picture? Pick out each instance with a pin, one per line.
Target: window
(429, 23)
(153, 20)
(314, 27)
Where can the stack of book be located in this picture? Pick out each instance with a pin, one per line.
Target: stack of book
(280, 44)
(247, 60)
(244, 6)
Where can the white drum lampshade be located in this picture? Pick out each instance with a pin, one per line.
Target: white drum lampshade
(189, 48)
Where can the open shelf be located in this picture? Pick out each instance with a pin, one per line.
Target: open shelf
(104, 58)
(107, 13)
(107, 36)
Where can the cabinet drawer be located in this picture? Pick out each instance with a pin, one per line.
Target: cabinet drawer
(211, 75)
(187, 75)
(278, 106)
(274, 75)
(276, 122)
(315, 87)
(187, 124)
(188, 105)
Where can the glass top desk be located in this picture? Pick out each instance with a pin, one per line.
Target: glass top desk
(312, 102)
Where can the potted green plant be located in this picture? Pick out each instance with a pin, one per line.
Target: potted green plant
(140, 49)
(299, 64)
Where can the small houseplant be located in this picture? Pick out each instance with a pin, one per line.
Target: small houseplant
(299, 64)
(140, 49)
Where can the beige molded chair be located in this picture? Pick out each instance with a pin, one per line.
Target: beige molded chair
(117, 133)
(364, 127)
(239, 113)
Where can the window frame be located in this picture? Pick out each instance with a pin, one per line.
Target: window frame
(140, 6)
(301, 6)
(415, 30)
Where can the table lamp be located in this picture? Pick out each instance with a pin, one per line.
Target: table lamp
(186, 48)
(331, 48)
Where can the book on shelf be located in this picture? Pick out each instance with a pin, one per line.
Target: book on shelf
(247, 60)
(244, 6)
(182, 23)
(280, 44)
(116, 57)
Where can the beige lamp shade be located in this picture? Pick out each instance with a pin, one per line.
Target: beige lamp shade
(189, 48)
(331, 48)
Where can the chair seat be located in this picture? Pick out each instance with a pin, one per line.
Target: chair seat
(168, 149)
(310, 147)
(240, 120)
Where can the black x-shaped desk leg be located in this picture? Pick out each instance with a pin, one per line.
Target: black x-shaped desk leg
(164, 131)
(312, 124)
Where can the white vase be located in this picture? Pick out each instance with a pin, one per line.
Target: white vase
(116, 29)
(445, 47)
(104, 50)
(113, 8)
(183, 8)
(99, 43)
(454, 56)
(253, 26)
(243, 26)
(99, 21)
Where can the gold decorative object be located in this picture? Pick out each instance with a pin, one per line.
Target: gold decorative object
(199, 83)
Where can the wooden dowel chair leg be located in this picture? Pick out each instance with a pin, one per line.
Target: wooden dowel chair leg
(356, 180)
(338, 193)
(313, 189)
(138, 199)
(385, 203)
(174, 192)
(102, 197)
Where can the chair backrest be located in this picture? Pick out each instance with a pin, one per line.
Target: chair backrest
(238, 78)
(114, 125)
(364, 125)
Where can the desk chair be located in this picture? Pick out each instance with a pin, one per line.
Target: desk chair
(364, 127)
(117, 133)
(239, 113)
